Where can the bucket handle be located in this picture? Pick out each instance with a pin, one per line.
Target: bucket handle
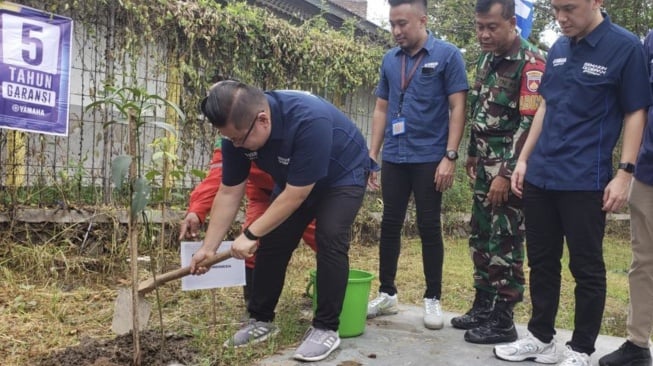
(309, 290)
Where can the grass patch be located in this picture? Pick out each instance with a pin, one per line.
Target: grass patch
(42, 311)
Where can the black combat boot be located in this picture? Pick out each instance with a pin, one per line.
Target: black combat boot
(499, 327)
(629, 354)
(478, 314)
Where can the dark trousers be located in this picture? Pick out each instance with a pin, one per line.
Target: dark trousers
(334, 211)
(397, 183)
(551, 217)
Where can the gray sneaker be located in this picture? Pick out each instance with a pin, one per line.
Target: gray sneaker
(252, 332)
(317, 344)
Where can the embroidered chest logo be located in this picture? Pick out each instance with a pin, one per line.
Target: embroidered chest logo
(596, 70)
(252, 155)
(559, 61)
(283, 161)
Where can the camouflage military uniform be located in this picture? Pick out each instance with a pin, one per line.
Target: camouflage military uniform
(503, 102)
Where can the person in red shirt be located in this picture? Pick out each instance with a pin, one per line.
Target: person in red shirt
(258, 191)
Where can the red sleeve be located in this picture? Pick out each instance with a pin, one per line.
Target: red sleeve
(201, 199)
(260, 179)
(529, 95)
(258, 190)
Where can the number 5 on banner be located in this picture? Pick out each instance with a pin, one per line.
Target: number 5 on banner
(30, 44)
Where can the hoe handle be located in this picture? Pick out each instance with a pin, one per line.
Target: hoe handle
(149, 285)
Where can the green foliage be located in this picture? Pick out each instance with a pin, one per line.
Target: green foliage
(204, 38)
(140, 195)
(634, 15)
(453, 21)
(458, 198)
(135, 106)
(120, 169)
(163, 166)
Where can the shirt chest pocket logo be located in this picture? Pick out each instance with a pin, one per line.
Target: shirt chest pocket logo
(429, 68)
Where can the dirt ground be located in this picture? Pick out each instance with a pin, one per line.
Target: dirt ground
(174, 350)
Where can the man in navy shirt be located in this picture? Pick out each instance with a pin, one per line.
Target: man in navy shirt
(319, 162)
(419, 119)
(591, 89)
(635, 351)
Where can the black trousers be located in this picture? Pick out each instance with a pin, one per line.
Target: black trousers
(551, 217)
(334, 211)
(398, 181)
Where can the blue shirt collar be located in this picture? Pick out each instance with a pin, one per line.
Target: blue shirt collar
(597, 33)
(277, 121)
(427, 47)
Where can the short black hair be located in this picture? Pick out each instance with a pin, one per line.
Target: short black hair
(231, 100)
(483, 7)
(394, 3)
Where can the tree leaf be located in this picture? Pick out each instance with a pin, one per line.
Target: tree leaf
(120, 169)
(140, 196)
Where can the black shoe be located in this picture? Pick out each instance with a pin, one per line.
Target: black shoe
(499, 328)
(628, 354)
(478, 314)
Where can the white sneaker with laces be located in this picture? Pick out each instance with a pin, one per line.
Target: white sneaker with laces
(384, 304)
(527, 348)
(574, 358)
(433, 314)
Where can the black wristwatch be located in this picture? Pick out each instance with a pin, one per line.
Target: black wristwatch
(627, 167)
(249, 235)
(451, 155)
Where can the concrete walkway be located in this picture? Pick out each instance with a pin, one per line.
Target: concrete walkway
(401, 339)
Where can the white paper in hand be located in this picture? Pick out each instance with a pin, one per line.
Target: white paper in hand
(227, 273)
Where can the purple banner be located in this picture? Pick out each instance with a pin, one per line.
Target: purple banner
(34, 69)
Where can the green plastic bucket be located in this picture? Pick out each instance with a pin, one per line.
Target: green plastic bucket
(354, 307)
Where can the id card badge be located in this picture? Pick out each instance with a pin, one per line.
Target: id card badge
(398, 126)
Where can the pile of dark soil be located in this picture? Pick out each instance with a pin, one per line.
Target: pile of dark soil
(175, 350)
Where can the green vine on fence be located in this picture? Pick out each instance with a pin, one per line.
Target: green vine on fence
(204, 38)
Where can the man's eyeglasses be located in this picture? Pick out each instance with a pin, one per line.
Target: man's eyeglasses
(241, 141)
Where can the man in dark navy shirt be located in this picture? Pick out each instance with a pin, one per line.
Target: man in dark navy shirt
(635, 351)
(592, 89)
(319, 162)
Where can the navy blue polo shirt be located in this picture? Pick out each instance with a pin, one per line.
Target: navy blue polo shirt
(588, 86)
(440, 73)
(311, 141)
(644, 167)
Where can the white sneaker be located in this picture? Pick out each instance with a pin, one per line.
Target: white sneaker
(573, 358)
(433, 314)
(527, 348)
(384, 304)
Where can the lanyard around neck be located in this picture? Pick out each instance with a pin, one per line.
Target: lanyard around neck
(405, 80)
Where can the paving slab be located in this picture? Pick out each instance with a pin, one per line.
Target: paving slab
(401, 339)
